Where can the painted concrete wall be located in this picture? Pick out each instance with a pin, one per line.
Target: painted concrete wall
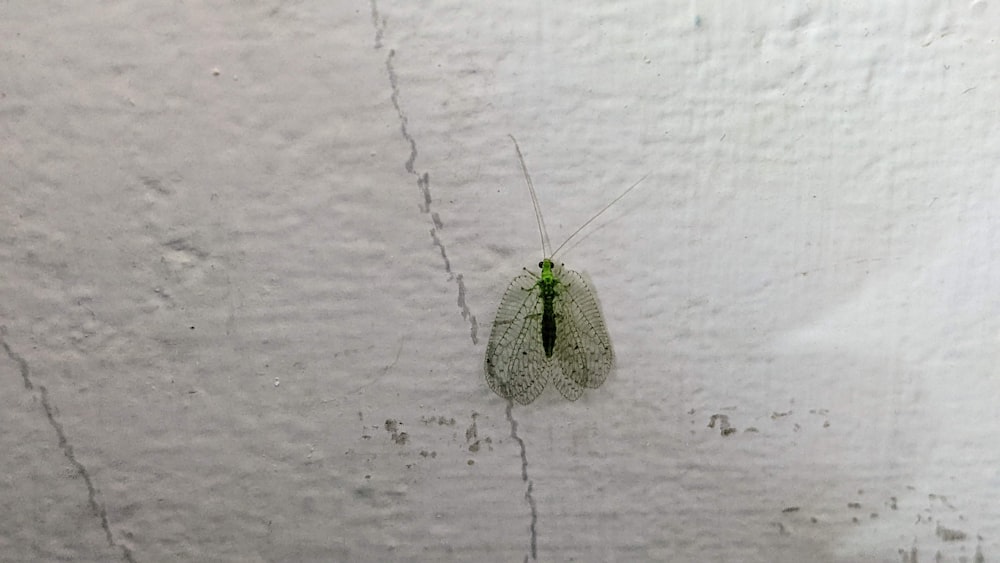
(250, 254)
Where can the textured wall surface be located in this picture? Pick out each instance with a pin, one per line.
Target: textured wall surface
(250, 253)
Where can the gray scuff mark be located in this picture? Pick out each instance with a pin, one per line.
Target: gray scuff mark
(948, 534)
(472, 434)
(155, 185)
(379, 376)
(528, 496)
(423, 179)
(230, 301)
(184, 245)
(50, 412)
(725, 429)
(395, 360)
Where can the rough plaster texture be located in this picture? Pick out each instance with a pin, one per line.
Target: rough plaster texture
(250, 251)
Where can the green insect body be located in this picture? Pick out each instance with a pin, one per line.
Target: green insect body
(547, 287)
(548, 327)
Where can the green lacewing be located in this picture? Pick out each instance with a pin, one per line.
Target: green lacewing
(549, 325)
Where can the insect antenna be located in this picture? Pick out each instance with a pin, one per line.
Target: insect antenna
(598, 214)
(543, 232)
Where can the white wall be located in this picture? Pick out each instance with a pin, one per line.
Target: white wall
(245, 247)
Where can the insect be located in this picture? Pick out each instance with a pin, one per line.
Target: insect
(549, 326)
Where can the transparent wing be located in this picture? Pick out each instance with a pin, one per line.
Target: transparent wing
(583, 348)
(516, 367)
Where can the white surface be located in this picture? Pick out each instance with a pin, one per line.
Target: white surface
(227, 294)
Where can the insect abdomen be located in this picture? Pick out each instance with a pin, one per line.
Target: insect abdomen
(548, 324)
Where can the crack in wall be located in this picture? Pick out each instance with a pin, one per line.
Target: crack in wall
(50, 413)
(444, 255)
(423, 184)
(378, 22)
(524, 477)
(423, 179)
(21, 363)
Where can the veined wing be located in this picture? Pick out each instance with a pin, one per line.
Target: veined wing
(583, 348)
(516, 366)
